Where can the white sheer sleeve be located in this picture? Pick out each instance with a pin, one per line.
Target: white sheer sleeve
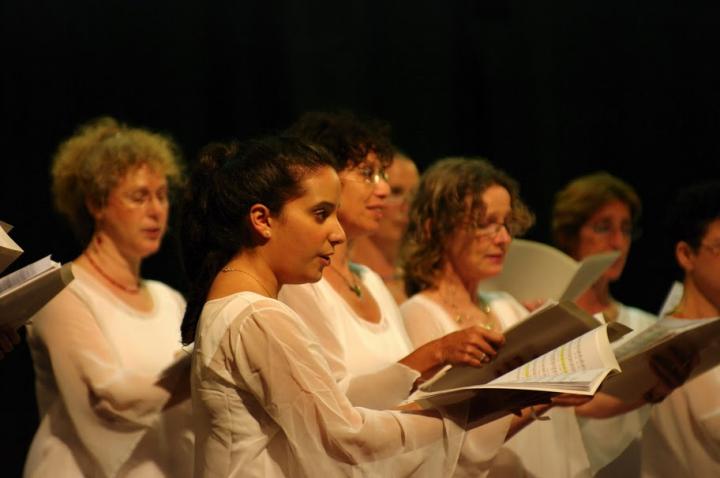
(277, 361)
(381, 389)
(109, 405)
(703, 396)
(422, 322)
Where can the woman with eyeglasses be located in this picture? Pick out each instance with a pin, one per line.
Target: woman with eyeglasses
(350, 309)
(461, 222)
(593, 214)
(682, 437)
(111, 375)
(380, 250)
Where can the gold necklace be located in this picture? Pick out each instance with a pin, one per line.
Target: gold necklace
(460, 318)
(353, 286)
(232, 269)
(129, 290)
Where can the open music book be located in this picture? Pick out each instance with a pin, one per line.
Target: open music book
(27, 290)
(699, 335)
(557, 349)
(533, 270)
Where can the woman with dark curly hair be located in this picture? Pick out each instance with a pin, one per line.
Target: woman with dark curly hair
(111, 376)
(351, 310)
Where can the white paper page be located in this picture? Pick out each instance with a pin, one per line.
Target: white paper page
(661, 331)
(589, 271)
(533, 270)
(580, 354)
(26, 273)
(672, 299)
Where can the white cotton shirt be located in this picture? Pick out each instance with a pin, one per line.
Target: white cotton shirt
(266, 404)
(362, 355)
(96, 363)
(682, 437)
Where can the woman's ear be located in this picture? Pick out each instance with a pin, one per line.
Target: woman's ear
(427, 228)
(260, 220)
(96, 211)
(685, 256)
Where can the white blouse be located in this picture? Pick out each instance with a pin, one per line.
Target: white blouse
(362, 355)
(266, 404)
(682, 437)
(98, 367)
(426, 320)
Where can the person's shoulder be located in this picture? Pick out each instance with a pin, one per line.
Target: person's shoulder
(291, 293)
(369, 277)
(416, 300)
(158, 287)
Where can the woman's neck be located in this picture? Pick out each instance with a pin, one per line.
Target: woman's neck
(368, 253)
(450, 283)
(247, 271)
(694, 304)
(597, 298)
(107, 260)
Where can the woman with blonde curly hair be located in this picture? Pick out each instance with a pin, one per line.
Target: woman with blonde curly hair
(111, 377)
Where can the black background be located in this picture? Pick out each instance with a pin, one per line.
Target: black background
(546, 90)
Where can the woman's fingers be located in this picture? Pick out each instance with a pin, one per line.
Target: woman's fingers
(472, 346)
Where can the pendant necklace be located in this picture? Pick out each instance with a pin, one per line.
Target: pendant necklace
(124, 288)
(352, 285)
(461, 318)
(232, 269)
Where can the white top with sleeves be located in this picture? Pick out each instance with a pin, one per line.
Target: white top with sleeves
(362, 355)
(682, 437)
(97, 363)
(426, 320)
(619, 456)
(266, 404)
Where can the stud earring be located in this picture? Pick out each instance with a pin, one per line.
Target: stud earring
(266, 233)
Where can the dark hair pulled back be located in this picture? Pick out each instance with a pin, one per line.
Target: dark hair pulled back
(228, 179)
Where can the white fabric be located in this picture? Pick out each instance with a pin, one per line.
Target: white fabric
(426, 320)
(570, 446)
(266, 404)
(682, 437)
(362, 355)
(620, 455)
(97, 362)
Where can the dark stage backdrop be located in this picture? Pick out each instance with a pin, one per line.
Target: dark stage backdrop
(546, 90)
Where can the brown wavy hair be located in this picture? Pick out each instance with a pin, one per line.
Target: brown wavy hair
(450, 192)
(89, 164)
(579, 200)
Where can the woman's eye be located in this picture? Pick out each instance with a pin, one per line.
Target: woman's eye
(138, 198)
(366, 173)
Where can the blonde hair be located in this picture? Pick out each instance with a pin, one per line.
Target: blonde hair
(88, 165)
(579, 200)
(441, 204)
